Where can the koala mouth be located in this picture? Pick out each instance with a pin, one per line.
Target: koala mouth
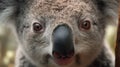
(61, 59)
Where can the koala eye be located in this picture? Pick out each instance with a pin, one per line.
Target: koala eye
(37, 27)
(85, 25)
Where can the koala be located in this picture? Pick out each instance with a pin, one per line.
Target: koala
(60, 33)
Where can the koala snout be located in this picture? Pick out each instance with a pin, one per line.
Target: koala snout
(63, 42)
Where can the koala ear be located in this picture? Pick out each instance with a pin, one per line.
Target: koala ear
(109, 10)
(7, 11)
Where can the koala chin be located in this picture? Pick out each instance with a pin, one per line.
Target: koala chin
(61, 33)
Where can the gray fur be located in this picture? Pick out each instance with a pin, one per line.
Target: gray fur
(35, 49)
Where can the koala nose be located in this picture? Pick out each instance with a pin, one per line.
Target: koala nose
(63, 41)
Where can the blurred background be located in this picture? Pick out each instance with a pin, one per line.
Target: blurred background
(8, 44)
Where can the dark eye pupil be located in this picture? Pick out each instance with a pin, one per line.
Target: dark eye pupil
(86, 25)
(37, 27)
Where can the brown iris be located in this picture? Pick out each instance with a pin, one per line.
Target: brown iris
(37, 27)
(85, 25)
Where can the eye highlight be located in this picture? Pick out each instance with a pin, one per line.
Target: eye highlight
(37, 27)
(85, 25)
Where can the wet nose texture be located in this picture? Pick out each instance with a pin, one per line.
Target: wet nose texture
(63, 41)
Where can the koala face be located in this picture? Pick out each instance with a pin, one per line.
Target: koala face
(61, 32)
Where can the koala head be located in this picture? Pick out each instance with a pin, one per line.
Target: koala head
(62, 32)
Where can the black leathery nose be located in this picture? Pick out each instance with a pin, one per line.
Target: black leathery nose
(63, 40)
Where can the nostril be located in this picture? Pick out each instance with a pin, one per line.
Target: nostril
(56, 55)
(63, 56)
(70, 54)
(63, 59)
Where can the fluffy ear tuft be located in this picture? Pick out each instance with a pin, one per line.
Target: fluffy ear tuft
(109, 9)
(7, 15)
(7, 11)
